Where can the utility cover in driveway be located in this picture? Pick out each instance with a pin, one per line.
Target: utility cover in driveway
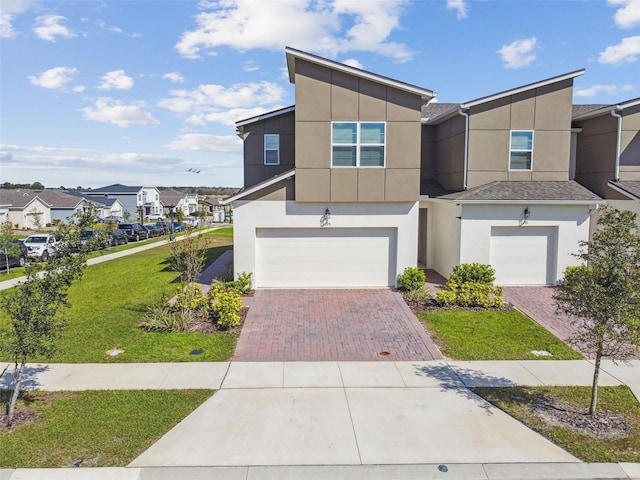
(325, 257)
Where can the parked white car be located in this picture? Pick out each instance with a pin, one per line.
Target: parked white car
(41, 246)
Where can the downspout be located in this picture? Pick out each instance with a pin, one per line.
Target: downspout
(618, 142)
(465, 114)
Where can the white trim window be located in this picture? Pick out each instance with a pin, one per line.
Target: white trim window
(521, 150)
(358, 144)
(271, 149)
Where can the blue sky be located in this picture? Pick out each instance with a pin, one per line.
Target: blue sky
(139, 92)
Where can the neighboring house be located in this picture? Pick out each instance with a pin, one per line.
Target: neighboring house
(138, 202)
(106, 207)
(365, 176)
(608, 152)
(25, 208)
(174, 201)
(61, 204)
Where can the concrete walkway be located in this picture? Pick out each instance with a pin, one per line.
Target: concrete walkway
(359, 419)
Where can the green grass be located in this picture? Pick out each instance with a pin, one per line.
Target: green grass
(519, 402)
(108, 305)
(105, 428)
(492, 335)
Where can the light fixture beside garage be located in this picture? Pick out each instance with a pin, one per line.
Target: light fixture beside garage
(326, 216)
(527, 214)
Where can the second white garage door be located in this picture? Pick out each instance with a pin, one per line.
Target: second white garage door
(523, 255)
(325, 257)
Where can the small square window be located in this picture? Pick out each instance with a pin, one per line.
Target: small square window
(272, 149)
(521, 150)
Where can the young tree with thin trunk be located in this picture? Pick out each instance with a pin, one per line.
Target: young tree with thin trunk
(603, 294)
(187, 258)
(35, 308)
(8, 243)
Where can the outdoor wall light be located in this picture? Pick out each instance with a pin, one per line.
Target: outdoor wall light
(327, 213)
(324, 219)
(527, 213)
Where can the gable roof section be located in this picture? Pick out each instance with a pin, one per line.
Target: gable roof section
(258, 186)
(19, 198)
(510, 192)
(116, 188)
(293, 54)
(629, 188)
(604, 109)
(445, 115)
(264, 116)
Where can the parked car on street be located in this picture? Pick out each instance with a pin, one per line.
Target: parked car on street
(135, 231)
(154, 216)
(97, 238)
(41, 246)
(18, 259)
(167, 226)
(119, 237)
(113, 219)
(154, 230)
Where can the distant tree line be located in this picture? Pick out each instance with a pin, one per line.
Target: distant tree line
(198, 190)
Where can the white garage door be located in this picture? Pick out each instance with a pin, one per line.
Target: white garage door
(325, 257)
(523, 255)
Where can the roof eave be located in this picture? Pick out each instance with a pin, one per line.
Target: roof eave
(624, 192)
(522, 202)
(258, 187)
(606, 110)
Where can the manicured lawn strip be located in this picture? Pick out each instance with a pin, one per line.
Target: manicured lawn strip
(105, 428)
(109, 303)
(519, 401)
(492, 335)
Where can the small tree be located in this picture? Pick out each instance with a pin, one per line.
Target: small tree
(35, 308)
(604, 294)
(86, 217)
(187, 258)
(8, 243)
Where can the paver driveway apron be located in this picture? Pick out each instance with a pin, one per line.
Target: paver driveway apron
(332, 325)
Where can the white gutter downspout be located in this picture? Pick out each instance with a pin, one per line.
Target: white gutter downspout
(618, 142)
(466, 145)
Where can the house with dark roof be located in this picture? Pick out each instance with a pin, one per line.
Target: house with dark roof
(367, 175)
(608, 151)
(174, 201)
(137, 202)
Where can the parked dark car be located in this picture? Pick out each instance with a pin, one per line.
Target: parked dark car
(97, 238)
(119, 237)
(135, 231)
(18, 260)
(154, 230)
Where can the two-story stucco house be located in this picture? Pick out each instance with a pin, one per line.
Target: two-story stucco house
(366, 176)
(137, 201)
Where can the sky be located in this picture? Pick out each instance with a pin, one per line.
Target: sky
(147, 92)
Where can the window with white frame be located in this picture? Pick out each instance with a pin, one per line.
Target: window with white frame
(521, 150)
(358, 144)
(272, 149)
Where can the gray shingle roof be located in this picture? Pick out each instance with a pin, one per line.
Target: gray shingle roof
(581, 109)
(435, 109)
(505, 191)
(17, 198)
(632, 187)
(115, 188)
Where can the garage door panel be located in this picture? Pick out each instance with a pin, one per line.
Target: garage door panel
(523, 255)
(325, 257)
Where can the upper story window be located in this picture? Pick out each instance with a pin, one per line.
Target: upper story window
(358, 144)
(521, 150)
(272, 149)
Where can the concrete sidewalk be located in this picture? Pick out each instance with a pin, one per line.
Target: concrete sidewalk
(354, 420)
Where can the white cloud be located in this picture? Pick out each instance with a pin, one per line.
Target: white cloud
(229, 117)
(174, 77)
(54, 78)
(216, 103)
(117, 80)
(460, 6)
(107, 110)
(307, 24)
(352, 62)
(627, 51)
(250, 66)
(608, 89)
(8, 10)
(48, 27)
(519, 53)
(202, 142)
(103, 25)
(628, 15)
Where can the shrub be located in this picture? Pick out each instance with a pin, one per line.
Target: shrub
(473, 273)
(412, 278)
(226, 307)
(192, 299)
(445, 298)
(161, 318)
(419, 295)
(243, 283)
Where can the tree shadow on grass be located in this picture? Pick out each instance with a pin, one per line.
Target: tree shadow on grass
(211, 255)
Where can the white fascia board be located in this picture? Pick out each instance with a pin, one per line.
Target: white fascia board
(292, 54)
(630, 195)
(524, 88)
(258, 187)
(264, 116)
(522, 202)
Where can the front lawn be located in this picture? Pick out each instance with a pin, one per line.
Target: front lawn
(108, 305)
(492, 335)
(559, 414)
(96, 428)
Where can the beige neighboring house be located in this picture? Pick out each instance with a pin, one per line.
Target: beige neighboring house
(25, 208)
(608, 152)
(174, 200)
(367, 175)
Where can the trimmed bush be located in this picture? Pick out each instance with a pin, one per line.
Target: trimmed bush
(412, 278)
(471, 285)
(473, 273)
(192, 299)
(227, 306)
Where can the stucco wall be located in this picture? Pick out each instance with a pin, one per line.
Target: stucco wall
(250, 215)
(443, 237)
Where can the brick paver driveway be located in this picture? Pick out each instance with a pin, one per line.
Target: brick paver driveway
(332, 325)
